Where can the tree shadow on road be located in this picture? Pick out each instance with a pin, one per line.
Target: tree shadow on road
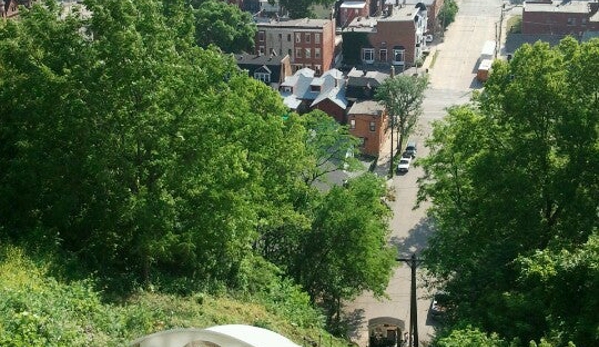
(353, 321)
(416, 240)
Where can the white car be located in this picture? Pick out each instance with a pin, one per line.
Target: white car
(404, 164)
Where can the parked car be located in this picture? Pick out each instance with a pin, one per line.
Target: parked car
(439, 305)
(404, 164)
(411, 149)
(429, 38)
(405, 154)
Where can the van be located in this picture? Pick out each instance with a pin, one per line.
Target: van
(411, 149)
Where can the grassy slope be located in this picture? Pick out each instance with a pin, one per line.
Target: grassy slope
(37, 310)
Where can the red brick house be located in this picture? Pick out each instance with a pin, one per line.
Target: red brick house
(560, 18)
(367, 120)
(308, 42)
(349, 10)
(395, 38)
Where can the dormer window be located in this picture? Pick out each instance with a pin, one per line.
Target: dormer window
(262, 76)
(314, 88)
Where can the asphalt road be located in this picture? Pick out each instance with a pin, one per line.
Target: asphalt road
(452, 69)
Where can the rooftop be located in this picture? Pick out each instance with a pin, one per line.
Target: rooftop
(558, 6)
(368, 107)
(295, 23)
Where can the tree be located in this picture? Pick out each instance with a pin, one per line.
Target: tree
(511, 175)
(447, 13)
(329, 145)
(402, 97)
(345, 251)
(225, 26)
(128, 146)
(301, 8)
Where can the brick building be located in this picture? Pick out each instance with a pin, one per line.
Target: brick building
(367, 120)
(308, 42)
(349, 10)
(395, 38)
(560, 18)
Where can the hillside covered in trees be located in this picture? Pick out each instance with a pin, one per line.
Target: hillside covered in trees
(144, 178)
(137, 160)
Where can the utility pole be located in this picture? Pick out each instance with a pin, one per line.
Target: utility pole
(413, 334)
(392, 127)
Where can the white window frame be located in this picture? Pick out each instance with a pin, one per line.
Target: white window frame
(317, 38)
(352, 123)
(372, 126)
(298, 37)
(316, 52)
(402, 53)
(261, 35)
(307, 53)
(368, 53)
(308, 37)
(262, 76)
(298, 52)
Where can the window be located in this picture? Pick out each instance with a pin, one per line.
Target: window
(315, 88)
(317, 69)
(316, 52)
(308, 37)
(262, 76)
(261, 50)
(398, 56)
(289, 52)
(571, 21)
(261, 36)
(280, 37)
(372, 126)
(288, 37)
(298, 52)
(317, 38)
(352, 123)
(368, 55)
(383, 54)
(362, 142)
(298, 38)
(287, 89)
(583, 21)
(308, 52)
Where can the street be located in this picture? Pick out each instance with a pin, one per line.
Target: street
(452, 69)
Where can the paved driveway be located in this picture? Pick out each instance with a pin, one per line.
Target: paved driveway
(451, 66)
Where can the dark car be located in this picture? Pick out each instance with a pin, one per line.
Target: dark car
(411, 149)
(439, 305)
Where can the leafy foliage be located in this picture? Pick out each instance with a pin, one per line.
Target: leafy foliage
(224, 25)
(346, 250)
(140, 152)
(513, 182)
(402, 97)
(447, 13)
(301, 8)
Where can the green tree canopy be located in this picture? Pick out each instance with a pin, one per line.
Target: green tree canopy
(225, 26)
(125, 144)
(512, 175)
(402, 96)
